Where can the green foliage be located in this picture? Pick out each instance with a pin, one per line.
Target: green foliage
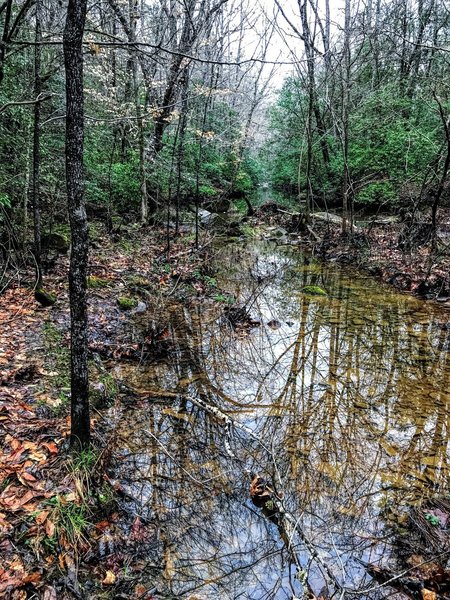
(393, 139)
(224, 298)
(94, 282)
(379, 193)
(207, 191)
(432, 519)
(84, 461)
(314, 290)
(71, 519)
(110, 179)
(243, 183)
(5, 200)
(126, 303)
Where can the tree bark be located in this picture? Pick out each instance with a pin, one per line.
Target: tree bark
(441, 186)
(347, 200)
(35, 174)
(73, 61)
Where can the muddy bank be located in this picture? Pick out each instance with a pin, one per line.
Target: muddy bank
(385, 248)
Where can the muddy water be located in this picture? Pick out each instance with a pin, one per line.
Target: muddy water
(344, 402)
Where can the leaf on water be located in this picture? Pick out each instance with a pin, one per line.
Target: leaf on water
(430, 461)
(330, 470)
(169, 567)
(390, 449)
(175, 413)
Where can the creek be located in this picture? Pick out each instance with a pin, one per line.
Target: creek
(343, 401)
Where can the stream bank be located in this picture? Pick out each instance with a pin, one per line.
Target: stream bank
(381, 245)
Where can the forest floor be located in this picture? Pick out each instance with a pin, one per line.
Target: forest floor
(57, 510)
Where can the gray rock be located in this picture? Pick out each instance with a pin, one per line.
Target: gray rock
(140, 308)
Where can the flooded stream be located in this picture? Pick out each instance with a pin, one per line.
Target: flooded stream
(341, 401)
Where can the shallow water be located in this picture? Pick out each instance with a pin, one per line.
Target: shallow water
(344, 401)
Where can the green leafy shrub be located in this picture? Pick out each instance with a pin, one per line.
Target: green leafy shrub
(377, 193)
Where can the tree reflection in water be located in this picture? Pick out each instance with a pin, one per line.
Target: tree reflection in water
(344, 404)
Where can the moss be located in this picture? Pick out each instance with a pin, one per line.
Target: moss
(249, 231)
(95, 282)
(137, 281)
(55, 241)
(44, 298)
(314, 290)
(126, 303)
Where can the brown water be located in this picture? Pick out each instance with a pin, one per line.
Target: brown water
(345, 401)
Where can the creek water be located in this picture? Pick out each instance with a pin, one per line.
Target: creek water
(344, 400)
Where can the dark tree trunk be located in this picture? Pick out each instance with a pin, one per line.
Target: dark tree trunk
(4, 40)
(347, 197)
(440, 190)
(10, 27)
(73, 60)
(35, 175)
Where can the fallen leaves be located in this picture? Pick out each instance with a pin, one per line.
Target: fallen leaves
(109, 578)
(13, 575)
(14, 498)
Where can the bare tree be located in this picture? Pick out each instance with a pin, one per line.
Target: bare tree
(73, 60)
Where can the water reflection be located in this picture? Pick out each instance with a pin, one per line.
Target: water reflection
(342, 401)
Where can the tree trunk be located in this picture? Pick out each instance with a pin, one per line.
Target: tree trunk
(441, 186)
(35, 173)
(347, 200)
(73, 61)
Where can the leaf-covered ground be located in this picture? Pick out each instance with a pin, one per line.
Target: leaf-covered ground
(57, 511)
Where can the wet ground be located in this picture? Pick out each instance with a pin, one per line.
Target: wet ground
(340, 401)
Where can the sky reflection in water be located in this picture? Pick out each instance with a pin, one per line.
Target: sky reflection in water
(347, 396)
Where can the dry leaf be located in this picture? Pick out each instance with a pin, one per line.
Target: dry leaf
(50, 528)
(32, 578)
(41, 517)
(139, 590)
(109, 579)
(51, 447)
(428, 595)
(49, 593)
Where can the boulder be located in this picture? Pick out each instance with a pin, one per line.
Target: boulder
(219, 205)
(55, 241)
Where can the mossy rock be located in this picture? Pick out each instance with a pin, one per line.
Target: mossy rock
(314, 290)
(95, 282)
(55, 241)
(44, 298)
(126, 303)
(137, 281)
